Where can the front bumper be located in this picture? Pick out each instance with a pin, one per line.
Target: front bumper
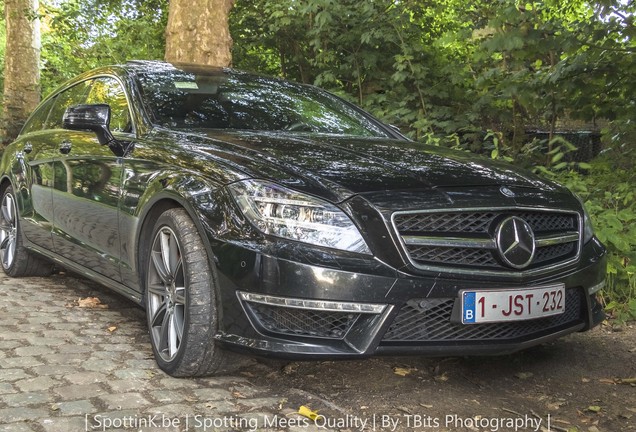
(280, 307)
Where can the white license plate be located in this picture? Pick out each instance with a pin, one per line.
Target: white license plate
(512, 305)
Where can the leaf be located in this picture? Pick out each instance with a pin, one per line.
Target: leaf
(290, 368)
(524, 375)
(112, 328)
(91, 303)
(594, 408)
(441, 378)
(307, 412)
(403, 371)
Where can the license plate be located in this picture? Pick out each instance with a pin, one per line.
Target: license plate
(512, 305)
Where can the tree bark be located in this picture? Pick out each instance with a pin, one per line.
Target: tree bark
(198, 32)
(22, 66)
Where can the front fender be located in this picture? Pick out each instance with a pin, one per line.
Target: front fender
(195, 194)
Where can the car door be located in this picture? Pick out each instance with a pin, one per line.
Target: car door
(87, 187)
(38, 153)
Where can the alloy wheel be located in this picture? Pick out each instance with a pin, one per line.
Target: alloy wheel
(166, 294)
(8, 230)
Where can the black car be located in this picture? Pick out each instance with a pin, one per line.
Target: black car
(253, 214)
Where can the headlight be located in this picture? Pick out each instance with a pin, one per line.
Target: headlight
(588, 229)
(282, 212)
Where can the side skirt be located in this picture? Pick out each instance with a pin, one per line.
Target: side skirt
(120, 288)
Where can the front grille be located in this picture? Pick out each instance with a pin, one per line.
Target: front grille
(429, 320)
(466, 240)
(460, 256)
(303, 322)
(480, 222)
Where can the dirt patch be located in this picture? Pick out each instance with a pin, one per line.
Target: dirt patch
(583, 382)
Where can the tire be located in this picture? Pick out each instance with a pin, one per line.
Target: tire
(181, 299)
(17, 260)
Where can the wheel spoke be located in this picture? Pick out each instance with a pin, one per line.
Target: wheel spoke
(7, 209)
(158, 317)
(10, 254)
(157, 290)
(179, 297)
(163, 344)
(159, 267)
(166, 240)
(179, 319)
(172, 336)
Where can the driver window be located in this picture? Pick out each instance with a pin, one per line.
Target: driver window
(109, 91)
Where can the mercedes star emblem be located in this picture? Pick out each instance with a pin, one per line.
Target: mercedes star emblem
(507, 192)
(515, 242)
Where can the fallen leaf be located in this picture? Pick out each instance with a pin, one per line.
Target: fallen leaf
(403, 371)
(404, 409)
(594, 408)
(307, 412)
(441, 378)
(363, 407)
(91, 303)
(238, 395)
(553, 406)
(426, 406)
(54, 407)
(112, 329)
(593, 429)
(290, 368)
(606, 381)
(524, 375)
(585, 380)
(627, 380)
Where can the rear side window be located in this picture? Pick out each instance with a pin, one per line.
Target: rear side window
(72, 96)
(38, 118)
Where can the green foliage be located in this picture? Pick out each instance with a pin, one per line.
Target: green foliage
(610, 197)
(81, 35)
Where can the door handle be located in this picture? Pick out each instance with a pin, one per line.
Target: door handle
(28, 147)
(65, 147)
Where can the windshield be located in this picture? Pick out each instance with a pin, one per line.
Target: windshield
(231, 100)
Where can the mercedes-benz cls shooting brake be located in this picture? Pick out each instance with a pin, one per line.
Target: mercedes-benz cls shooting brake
(253, 214)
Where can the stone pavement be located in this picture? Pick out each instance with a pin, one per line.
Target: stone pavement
(65, 368)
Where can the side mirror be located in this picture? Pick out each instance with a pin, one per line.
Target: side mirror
(95, 118)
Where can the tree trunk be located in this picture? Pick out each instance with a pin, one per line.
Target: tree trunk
(22, 66)
(198, 32)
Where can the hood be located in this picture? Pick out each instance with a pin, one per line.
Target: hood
(337, 168)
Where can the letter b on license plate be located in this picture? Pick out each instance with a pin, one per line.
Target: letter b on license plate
(512, 305)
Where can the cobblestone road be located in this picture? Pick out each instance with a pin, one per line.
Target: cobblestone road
(66, 368)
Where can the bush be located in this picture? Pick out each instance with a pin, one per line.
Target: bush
(609, 195)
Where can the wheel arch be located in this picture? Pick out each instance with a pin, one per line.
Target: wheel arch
(5, 182)
(148, 217)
